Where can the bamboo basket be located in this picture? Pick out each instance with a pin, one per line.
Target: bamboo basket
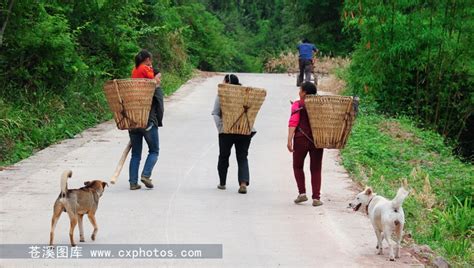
(331, 119)
(239, 106)
(130, 101)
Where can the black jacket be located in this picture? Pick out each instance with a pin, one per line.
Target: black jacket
(157, 108)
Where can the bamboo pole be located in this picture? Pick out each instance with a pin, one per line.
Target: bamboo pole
(113, 179)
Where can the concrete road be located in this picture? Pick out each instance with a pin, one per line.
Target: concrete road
(261, 229)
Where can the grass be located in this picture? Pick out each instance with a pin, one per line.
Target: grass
(172, 81)
(36, 120)
(382, 151)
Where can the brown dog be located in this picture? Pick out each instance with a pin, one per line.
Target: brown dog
(76, 203)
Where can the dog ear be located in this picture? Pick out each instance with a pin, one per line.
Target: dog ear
(87, 183)
(104, 184)
(368, 191)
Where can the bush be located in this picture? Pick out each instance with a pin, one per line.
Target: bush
(416, 59)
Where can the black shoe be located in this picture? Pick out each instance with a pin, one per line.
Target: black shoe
(221, 187)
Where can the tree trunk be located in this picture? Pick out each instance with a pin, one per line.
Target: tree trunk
(6, 21)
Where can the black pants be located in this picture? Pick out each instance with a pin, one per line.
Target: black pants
(242, 143)
(306, 68)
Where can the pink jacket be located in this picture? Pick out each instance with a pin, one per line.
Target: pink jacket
(295, 116)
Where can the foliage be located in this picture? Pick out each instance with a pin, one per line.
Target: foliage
(30, 61)
(56, 55)
(381, 151)
(253, 23)
(320, 22)
(47, 118)
(54, 51)
(411, 58)
(415, 58)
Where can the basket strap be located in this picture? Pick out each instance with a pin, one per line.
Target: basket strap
(299, 128)
(244, 112)
(118, 92)
(246, 108)
(350, 118)
(306, 135)
(123, 112)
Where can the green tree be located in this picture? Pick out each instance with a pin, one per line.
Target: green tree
(415, 57)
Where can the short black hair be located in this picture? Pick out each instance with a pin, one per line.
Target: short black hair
(305, 40)
(309, 88)
(232, 79)
(141, 57)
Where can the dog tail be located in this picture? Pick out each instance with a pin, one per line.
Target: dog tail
(399, 198)
(66, 174)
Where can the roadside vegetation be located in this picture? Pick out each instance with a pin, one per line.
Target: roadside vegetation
(413, 69)
(411, 63)
(383, 150)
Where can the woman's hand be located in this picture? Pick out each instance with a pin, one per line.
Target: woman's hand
(291, 134)
(158, 79)
(290, 146)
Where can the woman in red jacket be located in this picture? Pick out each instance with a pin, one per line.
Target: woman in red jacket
(143, 69)
(300, 142)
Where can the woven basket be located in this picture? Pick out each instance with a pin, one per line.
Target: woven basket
(130, 101)
(239, 106)
(331, 119)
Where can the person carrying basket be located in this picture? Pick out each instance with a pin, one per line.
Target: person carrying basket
(226, 141)
(300, 142)
(144, 69)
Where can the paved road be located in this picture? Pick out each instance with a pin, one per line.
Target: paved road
(261, 229)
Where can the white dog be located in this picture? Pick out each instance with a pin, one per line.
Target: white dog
(387, 217)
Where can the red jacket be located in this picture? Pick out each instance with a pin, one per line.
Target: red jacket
(143, 71)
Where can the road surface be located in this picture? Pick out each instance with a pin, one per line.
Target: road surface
(261, 229)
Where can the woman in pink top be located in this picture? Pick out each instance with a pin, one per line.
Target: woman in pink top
(300, 142)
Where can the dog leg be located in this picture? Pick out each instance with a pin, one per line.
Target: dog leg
(399, 235)
(56, 214)
(73, 224)
(387, 234)
(81, 228)
(379, 241)
(94, 224)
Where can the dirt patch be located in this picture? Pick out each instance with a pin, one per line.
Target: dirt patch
(324, 69)
(204, 74)
(327, 65)
(427, 256)
(394, 130)
(288, 63)
(331, 84)
(420, 162)
(6, 146)
(284, 63)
